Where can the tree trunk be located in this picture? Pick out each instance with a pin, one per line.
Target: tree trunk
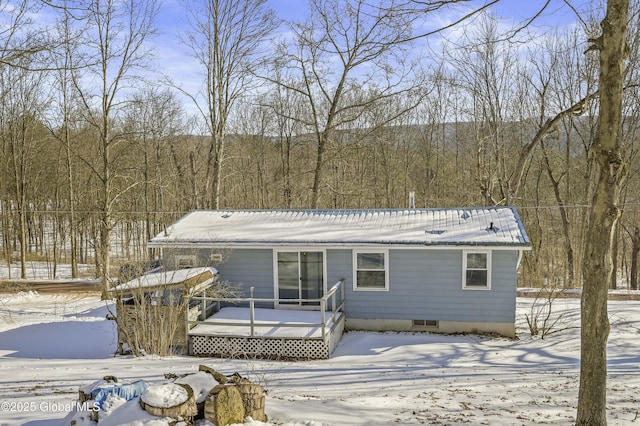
(210, 171)
(317, 176)
(6, 229)
(186, 408)
(285, 152)
(18, 167)
(598, 265)
(217, 172)
(635, 239)
(615, 248)
(564, 217)
(73, 232)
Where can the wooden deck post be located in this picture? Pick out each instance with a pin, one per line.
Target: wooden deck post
(252, 313)
(323, 308)
(203, 308)
(305, 344)
(187, 327)
(333, 303)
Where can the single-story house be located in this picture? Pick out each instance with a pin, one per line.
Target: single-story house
(449, 270)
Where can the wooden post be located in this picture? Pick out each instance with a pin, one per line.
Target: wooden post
(203, 313)
(323, 307)
(252, 314)
(187, 326)
(333, 302)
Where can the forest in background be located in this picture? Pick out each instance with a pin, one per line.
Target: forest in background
(351, 111)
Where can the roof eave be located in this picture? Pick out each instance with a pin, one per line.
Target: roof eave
(287, 243)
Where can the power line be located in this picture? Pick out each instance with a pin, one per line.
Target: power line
(182, 212)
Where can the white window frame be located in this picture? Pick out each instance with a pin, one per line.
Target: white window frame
(355, 270)
(298, 250)
(465, 254)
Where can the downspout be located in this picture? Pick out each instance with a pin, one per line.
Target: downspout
(520, 254)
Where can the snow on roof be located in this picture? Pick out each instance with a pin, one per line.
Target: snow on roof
(488, 226)
(189, 276)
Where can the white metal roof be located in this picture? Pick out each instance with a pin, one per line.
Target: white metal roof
(484, 226)
(169, 278)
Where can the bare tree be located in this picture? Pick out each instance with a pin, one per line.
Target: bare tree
(21, 136)
(437, 170)
(253, 124)
(152, 120)
(343, 47)
(598, 266)
(20, 38)
(561, 73)
(287, 106)
(64, 116)
(115, 41)
(635, 251)
(482, 63)
(20, 41)
(227, 39)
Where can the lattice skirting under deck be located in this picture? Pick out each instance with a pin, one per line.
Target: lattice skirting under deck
(259, 347)
(267, 347)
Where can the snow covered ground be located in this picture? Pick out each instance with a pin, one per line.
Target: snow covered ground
(52, 344)
(42, 270)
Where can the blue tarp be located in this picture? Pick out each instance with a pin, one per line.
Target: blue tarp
(127, 391)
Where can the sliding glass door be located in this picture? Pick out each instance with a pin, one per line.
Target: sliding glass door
(299, 275)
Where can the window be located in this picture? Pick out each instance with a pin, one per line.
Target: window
(185, 261)
(299, 275)
(425, 323)
(370, 270)
(477, 270)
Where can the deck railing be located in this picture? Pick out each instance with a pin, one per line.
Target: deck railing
(331, 307)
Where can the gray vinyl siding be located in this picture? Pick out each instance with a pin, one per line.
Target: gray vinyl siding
(427, 284)
(423, 283)
(243, 267)
(505, 279)
(250, 268)
(339, 266)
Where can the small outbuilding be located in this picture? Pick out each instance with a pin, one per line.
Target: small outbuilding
(152, 310)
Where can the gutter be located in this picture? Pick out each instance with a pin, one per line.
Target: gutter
(349, 244)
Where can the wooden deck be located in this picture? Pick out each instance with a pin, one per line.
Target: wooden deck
(267, 323)
(249, 332)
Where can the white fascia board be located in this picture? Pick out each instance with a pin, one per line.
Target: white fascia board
(208, 245)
